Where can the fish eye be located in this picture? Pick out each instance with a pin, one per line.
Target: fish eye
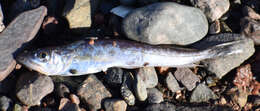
(43, 55)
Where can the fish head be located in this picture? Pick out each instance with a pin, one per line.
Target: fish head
(46, 61)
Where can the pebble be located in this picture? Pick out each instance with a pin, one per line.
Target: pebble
(202, 94)
(187, 78)
(222, 65)
(251, 29)
(32, 87)
(74, 99)
(247, 11)
(161, 107)
(125, 91)
(2, 25)
(204, 108)
(172, 83)
(214, 27)
(5, 103)
(66, 105)
(92, 91)
(114, 77)
(17, 107)
(80, 15)
(166, 23)
(140, 88)
(15, 35)
(213, 9)
(62, 90)
(154, 96)
(115, 105)
(149, 76)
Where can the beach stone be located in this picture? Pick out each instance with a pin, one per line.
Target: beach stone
(202, 94)
(187, 78)
(154, 96)
(204, 108)
(5, 103)
(21, 30)
(213, 9)
(172, 83)
(166, 23)
(2, 25)
(247, 11)
(149, 76)
(125, 91)
(32, 87)
(251, 28)
(161, 107)
(140, 88)
(67, 105)
(74, 99)
(115, 105)
(114, 77)
(214, 27)
(92, 92)
(79, 16)
(62, 90)
(222, 65)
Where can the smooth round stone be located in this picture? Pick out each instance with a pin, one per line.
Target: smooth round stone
(154, 95)
(166, 23)
(202, 94)
(140, 88)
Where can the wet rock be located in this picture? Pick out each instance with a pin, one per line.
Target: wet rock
(92, 92)
(5, 103)
(20, 31)
(20, 6)
(140, 88)
(79, 15)
(127, 2)
(251, 28)
(115, 105)
(213, 9)
(2, 25)
(202, 94)
(172, 83)
(161, 107)
(222, 65)
(214, 27)
(154, 96)
(125, 91)
(187, 78)
(204, 108)
(62, 90)
(32, 87)
(166, 23)
(149, 76)
(114, 77)
(66, 105)
(247, 11)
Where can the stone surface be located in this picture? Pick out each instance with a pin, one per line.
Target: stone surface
(18, 32)
(74, 99)
(166, 23)
(251, 28)
(149, 76)
(66, 105)
(222, 65)
(213, 9)
(154, 96)
(114, 77)
(247, 11)
(161, 107)
(214, 27)
(92, 91)
(79, 15)
(140, 88)
(202, 94)
(125, 91)
(204, 108)
(115, 105)
(2, 25)
(172, 83)
(62, 90)
(32, 87)
(187, 78)
(5, 103)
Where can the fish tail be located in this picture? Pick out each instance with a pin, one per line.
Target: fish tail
(224, 49)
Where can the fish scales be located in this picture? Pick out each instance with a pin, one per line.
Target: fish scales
(92, 56)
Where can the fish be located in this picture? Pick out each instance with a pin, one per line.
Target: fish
(91, 56)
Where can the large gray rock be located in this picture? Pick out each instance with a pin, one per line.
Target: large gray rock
(222, 65)
(213, 9)
(149, 76)
(92, 91)
(21, 30)
(202, 94)
(31, 88)
(166, 23)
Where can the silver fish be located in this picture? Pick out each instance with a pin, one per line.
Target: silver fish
(92, 56)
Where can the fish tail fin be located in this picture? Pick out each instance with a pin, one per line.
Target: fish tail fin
(224, 49)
